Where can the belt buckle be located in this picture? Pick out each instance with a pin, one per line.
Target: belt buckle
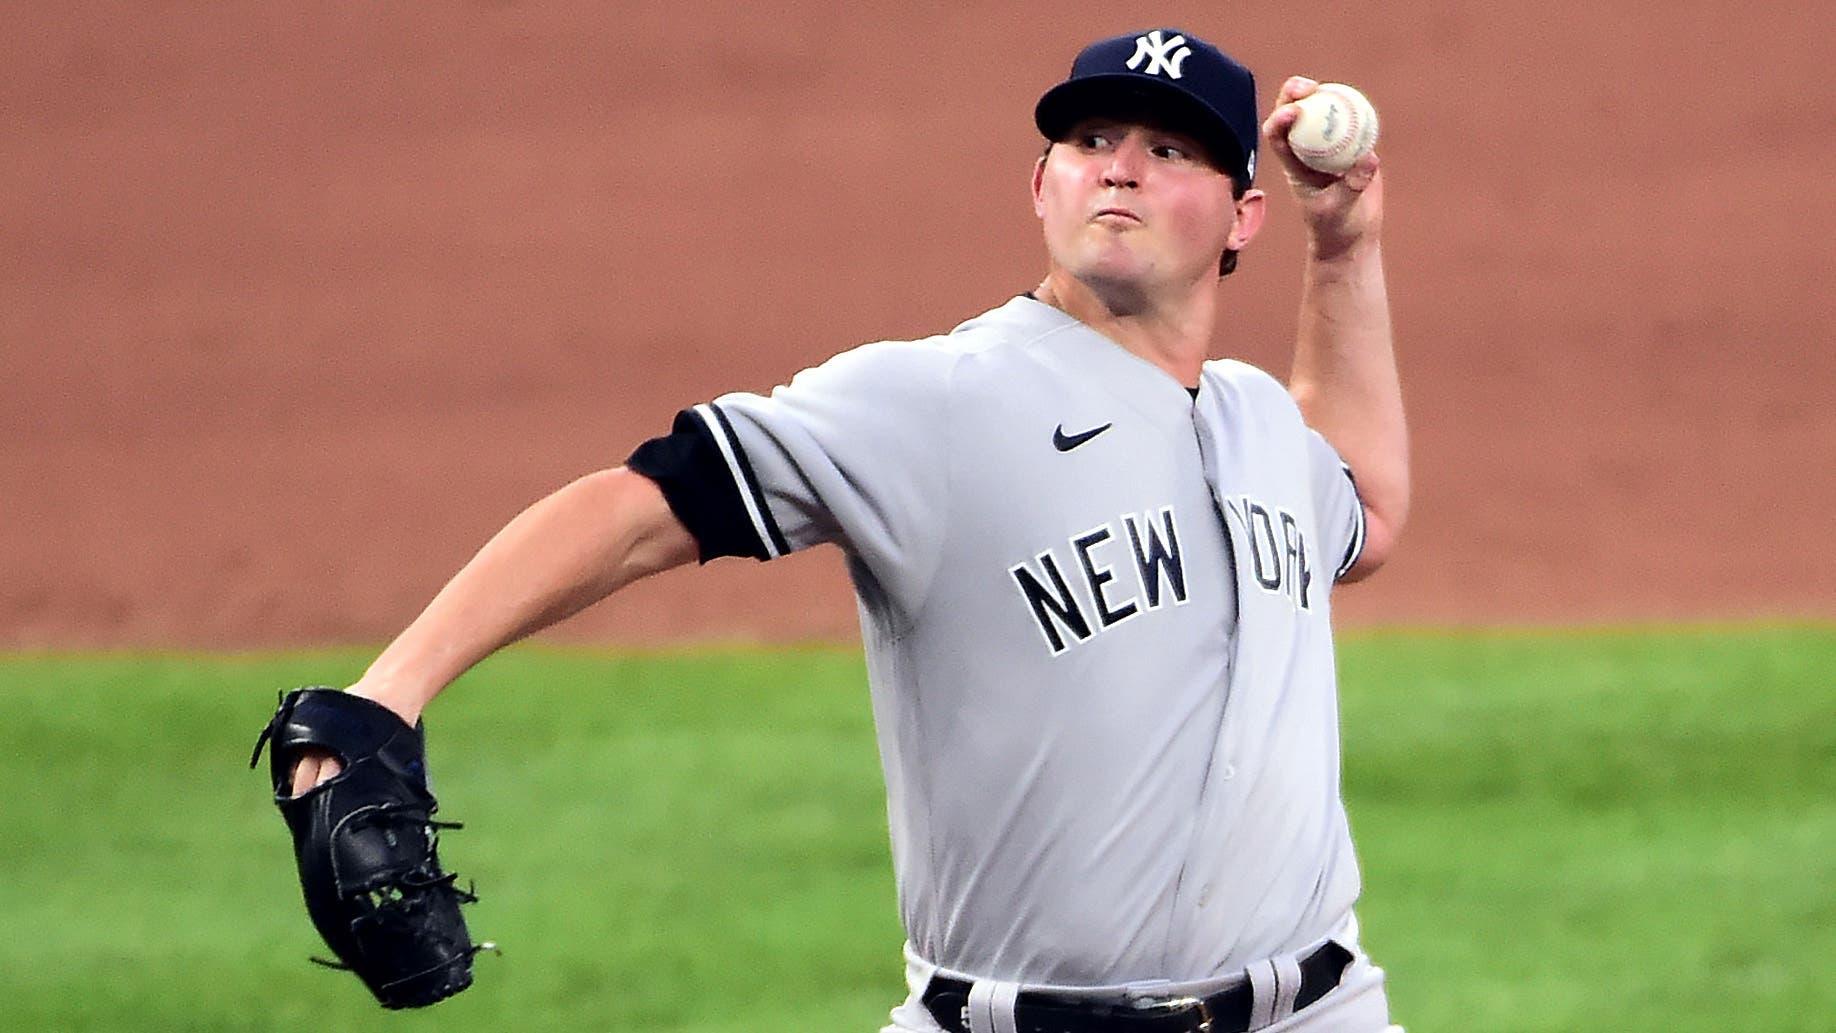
(1180, 1004)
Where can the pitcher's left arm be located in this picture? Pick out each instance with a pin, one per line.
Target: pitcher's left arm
(1344, 375)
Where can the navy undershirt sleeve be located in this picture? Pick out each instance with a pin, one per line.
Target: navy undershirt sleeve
(699, 487)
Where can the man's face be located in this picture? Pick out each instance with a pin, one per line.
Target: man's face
(1131, 206)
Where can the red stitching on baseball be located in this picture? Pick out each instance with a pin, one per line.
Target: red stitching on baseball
(1353, 131)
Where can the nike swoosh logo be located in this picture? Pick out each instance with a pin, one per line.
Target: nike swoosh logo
(1065, 443)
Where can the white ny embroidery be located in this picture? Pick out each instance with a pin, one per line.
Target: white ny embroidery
(1154, 50)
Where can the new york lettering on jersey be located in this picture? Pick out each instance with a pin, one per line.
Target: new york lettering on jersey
(1153, 558)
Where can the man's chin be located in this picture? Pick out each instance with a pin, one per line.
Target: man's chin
(1117, 267)
(1122, 292)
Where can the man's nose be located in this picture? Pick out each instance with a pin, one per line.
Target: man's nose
(1124, 166)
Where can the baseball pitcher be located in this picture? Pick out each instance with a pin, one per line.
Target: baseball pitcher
(1095, 571)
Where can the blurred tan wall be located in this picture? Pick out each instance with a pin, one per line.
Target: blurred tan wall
(299, 303)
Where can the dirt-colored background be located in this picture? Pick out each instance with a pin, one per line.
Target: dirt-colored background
(299, 303)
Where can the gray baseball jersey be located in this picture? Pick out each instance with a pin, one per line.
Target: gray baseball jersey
(1096, 616)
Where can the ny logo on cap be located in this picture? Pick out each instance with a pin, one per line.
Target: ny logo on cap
(1154, 50)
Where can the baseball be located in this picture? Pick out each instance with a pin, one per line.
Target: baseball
(1336, 127)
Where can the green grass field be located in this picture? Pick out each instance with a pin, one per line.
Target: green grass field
(1560, 831)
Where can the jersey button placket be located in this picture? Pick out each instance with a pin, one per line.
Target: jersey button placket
(1207, 458)
(1224, 771)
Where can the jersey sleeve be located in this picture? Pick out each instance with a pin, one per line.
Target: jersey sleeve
(1336, 505)
(849, 452)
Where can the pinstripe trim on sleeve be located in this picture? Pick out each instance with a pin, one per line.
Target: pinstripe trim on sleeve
(750, 493)
(1356, 547)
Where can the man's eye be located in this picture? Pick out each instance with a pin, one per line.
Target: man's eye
(1170, 152)
(1094, 141)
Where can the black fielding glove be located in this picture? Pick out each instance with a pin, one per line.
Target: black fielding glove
(366, 845)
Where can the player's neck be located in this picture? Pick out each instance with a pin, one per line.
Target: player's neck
(1173, 333)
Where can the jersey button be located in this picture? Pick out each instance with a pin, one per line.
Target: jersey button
(1229, 772)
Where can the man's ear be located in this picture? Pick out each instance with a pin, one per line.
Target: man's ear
(1038, 183)
(1251, 208)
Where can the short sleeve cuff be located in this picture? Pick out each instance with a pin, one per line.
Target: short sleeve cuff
(709, 485)
(1355, 548)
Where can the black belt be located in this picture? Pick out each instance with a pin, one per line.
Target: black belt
(1227, 1011)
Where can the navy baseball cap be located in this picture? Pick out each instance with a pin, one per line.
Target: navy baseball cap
(1195, 86)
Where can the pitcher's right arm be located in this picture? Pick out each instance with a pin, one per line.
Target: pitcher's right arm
(556, 558)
